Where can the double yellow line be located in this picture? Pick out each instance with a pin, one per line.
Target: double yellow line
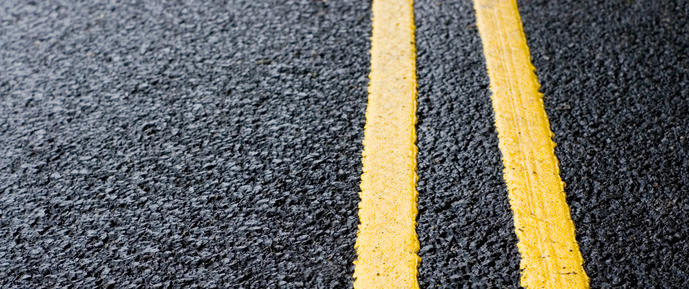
(387, 243)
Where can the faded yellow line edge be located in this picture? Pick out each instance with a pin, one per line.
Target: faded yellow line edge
(387, 244)
(550, 256)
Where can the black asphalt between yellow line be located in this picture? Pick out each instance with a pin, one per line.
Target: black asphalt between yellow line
(465, 223)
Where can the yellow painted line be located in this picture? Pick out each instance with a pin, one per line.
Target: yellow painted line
(550, 256)
(387, 244)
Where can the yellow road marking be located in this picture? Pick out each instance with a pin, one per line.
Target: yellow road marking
(550, 256)
(386, 243)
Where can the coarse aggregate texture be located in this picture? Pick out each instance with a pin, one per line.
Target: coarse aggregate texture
(465, 223)
(615, 75)
(195, 144)
(217, 144)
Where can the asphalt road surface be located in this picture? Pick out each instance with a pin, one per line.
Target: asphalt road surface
(217, 144)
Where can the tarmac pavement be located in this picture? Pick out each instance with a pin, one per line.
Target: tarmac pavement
(217, 144)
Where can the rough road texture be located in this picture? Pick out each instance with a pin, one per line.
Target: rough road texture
(209, 144)
(465, 223)
(145, 144)
(616, 82)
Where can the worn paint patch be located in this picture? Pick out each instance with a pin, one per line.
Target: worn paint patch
(550, 256)
(387, 244)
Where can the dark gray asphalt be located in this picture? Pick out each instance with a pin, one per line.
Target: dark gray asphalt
(184, 144)
(465, 223)
(616, 79)
(156, 144)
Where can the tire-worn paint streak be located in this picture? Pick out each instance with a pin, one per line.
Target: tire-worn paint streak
(550, 256)
(387, 244)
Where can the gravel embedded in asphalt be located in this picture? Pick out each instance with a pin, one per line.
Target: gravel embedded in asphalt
(184, 144)
(218, 144)
(615, 79)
